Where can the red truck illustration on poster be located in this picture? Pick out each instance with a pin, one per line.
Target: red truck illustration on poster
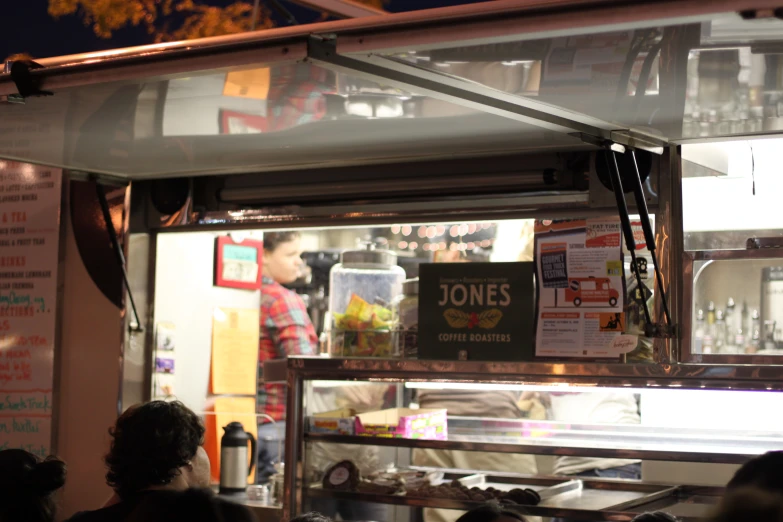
(591, 290)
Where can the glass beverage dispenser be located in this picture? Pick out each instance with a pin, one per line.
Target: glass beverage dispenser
(362, 288)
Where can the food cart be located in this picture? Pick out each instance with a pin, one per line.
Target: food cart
(486, 112)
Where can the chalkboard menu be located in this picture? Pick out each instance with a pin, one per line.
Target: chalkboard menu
(29, 246)
(476, 311)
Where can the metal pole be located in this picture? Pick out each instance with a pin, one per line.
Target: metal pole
(293, 443)
(255, 15)
(117, 251)
(625, 223)
(649, 235)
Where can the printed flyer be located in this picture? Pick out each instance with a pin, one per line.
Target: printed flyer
(580, 289)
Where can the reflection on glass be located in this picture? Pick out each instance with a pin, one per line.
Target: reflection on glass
(731, 193)
(733, 71)
(666, 420)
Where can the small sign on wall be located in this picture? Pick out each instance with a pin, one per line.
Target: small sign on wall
(238, 264)
(476, 311)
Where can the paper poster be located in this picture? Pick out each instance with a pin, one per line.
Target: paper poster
(29, 251)
(581, 290)
(235, 333)
(163, 377)
(238, 264)
(250, 83)
(165, 337)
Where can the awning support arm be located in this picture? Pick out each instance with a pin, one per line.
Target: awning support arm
(117, 248)
(649, 235)
(651, 329)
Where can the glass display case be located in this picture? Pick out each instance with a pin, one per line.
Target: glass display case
(732, 243)
(368, 438)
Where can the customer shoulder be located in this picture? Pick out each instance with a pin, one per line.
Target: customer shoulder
(107, 514)
(81, 516)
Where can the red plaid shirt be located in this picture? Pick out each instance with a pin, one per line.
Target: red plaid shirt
(285, 330)
(296, 95)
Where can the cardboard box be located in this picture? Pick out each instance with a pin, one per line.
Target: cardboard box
(338, 422)
(403, 423)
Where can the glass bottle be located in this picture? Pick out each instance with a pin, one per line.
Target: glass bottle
(699, 332)
(755, 332)
(711, 313)
(710, 332)
(730, 317)
(720, 332)
(743, 332)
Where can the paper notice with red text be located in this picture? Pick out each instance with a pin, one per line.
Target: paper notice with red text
(580, 288)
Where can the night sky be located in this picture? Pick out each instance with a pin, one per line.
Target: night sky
(30, 29)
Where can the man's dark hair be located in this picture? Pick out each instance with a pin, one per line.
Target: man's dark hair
(489, 512)
(312, 516)
(272, 240)
(150, 443)
(764, 472)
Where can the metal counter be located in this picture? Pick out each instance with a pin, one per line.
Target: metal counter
(576, 373)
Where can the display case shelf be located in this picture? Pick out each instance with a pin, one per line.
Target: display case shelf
(609, 500)
(538, 449)
(626, 441)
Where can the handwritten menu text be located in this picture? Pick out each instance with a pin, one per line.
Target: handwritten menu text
(29, 245)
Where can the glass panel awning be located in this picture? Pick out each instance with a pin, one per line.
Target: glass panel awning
(483, 79)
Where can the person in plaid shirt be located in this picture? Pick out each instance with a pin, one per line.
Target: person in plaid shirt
(285, 330)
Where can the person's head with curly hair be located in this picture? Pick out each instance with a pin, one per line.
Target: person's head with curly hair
(157, 445)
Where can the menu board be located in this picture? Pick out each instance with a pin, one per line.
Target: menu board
(29, 244)
(580, 289)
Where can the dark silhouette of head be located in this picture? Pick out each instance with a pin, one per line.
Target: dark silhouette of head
(655, 516)
(192, 505)
(491, 512)
(763, 472)
(27, 486)
(312, 516)
(745, 504)
(157, 445)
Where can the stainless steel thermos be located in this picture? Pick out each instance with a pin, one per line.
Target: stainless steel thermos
(234, 467)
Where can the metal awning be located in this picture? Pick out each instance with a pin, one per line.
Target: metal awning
(484, 79)
(342, 8)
